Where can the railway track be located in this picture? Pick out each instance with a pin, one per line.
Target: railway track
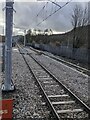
(79, 68)
(63, 104)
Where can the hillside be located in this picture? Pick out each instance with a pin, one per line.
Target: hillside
(78, 38)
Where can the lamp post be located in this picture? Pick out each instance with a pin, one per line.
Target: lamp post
(8, 84)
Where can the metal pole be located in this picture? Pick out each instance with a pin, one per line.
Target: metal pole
(8, 85)
(3, 57)
(24, 37)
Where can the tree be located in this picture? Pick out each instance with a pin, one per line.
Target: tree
(34, 31)
(79, 18)
(48, 32)
(39, 31)
(29, 31)
(51, 32)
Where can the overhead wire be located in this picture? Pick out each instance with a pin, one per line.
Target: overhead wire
(51, 9)
(60, 7)
(36, 15)
(54, 3)
(40, 11)
(52, 13)
(46, 11)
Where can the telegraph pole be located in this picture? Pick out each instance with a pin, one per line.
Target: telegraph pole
(8, 84)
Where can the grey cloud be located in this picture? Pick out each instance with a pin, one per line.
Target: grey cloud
(26, 12)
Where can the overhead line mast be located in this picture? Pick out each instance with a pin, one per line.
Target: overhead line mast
(8, 84)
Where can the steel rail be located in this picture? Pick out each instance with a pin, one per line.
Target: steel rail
(79, 68)
(71, 64)
(77, 99)
(43, 92)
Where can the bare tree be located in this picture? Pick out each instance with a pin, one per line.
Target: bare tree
(79, 19)
(48, 31)
(79, 16)
(39, 31)
(51, 31)
(85, 20)
(29, 31)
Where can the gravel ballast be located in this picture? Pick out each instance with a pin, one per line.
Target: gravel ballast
(28, 103)
(73, 79)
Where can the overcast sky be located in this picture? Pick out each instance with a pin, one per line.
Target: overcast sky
(26, 12)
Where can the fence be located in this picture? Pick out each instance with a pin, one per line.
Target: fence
(79, 54)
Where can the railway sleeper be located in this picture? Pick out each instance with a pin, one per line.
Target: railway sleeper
(77, 114)
(57, 98)
(63, 102)
(49, 82)
(68, 109)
